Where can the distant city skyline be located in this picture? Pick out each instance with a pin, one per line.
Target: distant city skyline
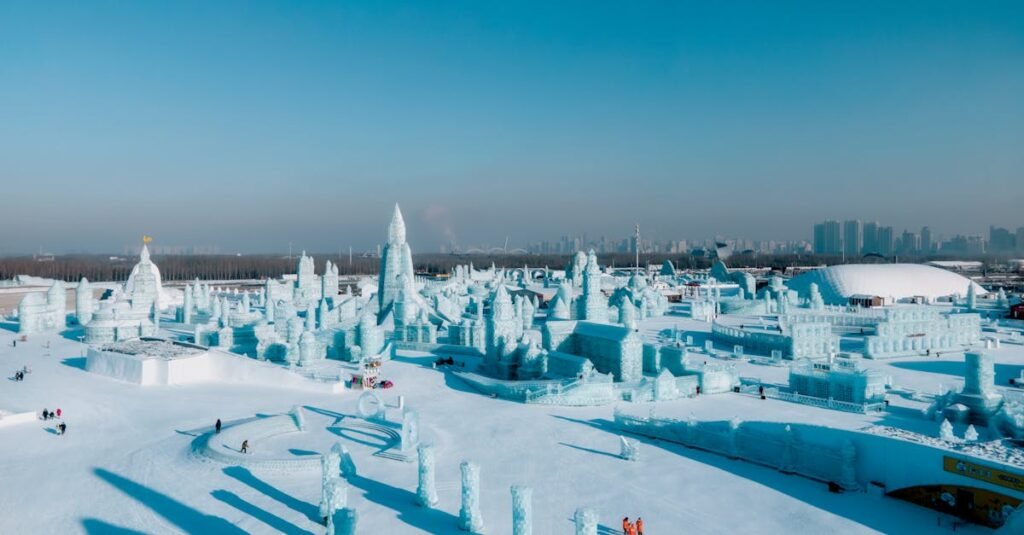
(246, 126)
(830, 237)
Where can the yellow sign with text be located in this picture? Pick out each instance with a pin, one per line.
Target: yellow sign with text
(981, 472)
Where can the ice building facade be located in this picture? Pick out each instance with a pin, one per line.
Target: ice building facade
(842, 379)
(674, 358)
(913, 329)
(613, 349)
(43, 312)
(796, 340)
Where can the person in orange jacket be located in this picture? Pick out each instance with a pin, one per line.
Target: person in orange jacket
(627, 526)
(639, 526)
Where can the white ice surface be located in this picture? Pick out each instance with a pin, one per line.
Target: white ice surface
(126, 462)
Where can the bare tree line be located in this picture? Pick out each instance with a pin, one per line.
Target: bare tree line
(230, 267)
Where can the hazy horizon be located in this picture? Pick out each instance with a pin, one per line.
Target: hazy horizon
(251, 126)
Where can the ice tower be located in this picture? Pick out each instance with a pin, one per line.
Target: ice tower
(395, 262)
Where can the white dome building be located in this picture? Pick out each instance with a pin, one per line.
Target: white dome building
(892, 282)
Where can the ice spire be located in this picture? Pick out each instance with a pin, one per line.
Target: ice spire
(396, 231)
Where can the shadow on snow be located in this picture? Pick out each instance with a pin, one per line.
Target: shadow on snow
(308, 510)
(184, 517)
(279, 524)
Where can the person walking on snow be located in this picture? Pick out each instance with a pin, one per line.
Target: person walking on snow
(626, 525)
(639, 526)
(58, 412)
(217, 425)
(245, 446)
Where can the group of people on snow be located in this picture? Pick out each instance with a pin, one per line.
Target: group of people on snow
(633, 528)
(19, 375)
(62, 427)
(49, 415)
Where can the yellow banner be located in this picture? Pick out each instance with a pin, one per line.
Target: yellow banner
(980, 472)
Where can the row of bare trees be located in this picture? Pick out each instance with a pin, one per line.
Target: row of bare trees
(227, 267)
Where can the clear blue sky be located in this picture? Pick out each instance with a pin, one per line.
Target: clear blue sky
(253, 124)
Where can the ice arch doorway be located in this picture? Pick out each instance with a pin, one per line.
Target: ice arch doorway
(973, 504)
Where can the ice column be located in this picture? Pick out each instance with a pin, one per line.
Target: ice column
(330, 471)
(426, 492)
(83, 302)
(186, 308)
(348, 466)
(522, 510)
(336, 500)
(586, 522)
(469, 515)
(629, 450)
(410, 436)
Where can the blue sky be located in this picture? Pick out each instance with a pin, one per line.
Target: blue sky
(250, 125)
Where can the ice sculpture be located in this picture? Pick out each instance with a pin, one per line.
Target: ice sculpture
(426, 491)
(330, 470)
(814, 299)
(559, 310)
(979, 393)
(586, 521)
(522, 510)
(972, 297)
(410, 437)
(335, 499)
(592, 306)
(395, 265)
(946, 431)
(308, 348)
(39, 312)
(187, 307)
(298, 417)
(629, 450)
(627, 314)
(348, 466)
(971, 435)
(470, 518)
(84, 302)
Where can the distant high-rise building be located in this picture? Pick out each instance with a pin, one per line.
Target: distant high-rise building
(869, 237)
(967, 245)
(1001, 240)
(884, 241)
(828, 238)
(852, 238)
(908, 243)
(927, 244)
(1020, 239)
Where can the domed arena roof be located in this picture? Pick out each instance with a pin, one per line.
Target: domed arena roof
(894, 281)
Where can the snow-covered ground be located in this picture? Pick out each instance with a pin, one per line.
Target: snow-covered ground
(127, 464)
